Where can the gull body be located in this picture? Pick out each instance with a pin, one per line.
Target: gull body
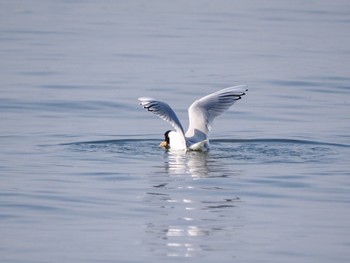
(201, 114)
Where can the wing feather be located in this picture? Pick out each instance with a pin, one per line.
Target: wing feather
(164, 111)
(202, 112)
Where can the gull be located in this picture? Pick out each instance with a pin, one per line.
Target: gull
(201, 114)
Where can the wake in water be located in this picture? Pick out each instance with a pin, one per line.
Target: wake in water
(243, 150)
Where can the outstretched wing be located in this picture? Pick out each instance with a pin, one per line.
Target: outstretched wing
(164, 111)
(202, 112)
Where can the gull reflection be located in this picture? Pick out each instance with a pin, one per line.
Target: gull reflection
(192, 163)
(193, 201)
(180, 248)
(192, 231)
(180, 239)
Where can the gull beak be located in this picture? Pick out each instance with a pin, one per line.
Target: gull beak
(163, 144)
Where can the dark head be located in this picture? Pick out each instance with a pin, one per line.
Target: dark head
(166, 142)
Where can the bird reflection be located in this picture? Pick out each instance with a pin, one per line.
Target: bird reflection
(192, 231)
(180, 248)
(192, 163)
(193, 201)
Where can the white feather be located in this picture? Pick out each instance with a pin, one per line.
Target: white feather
(201, 113)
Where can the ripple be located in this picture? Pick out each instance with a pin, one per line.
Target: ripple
(128, 147)
(238, 151)
(276, 151)
(282, 141)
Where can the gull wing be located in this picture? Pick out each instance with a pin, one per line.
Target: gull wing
(164, 111)
(202, 112)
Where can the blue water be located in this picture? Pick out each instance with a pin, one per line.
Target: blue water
(82, 176)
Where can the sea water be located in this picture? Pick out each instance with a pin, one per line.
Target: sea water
(82, 176)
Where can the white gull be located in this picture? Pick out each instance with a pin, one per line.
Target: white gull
(201, 114)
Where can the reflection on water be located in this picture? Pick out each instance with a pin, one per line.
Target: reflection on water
(192, 163)
(198, 197)
(176, 247)
(197, 165)
(196, 205)
(181, 238)
(193, 200)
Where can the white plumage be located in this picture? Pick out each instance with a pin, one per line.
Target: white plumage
(201, 114)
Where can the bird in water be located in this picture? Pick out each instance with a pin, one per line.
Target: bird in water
(201, 114)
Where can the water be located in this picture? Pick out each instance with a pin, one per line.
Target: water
(82, 177)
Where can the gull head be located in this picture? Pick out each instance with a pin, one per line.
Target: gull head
(166, 142)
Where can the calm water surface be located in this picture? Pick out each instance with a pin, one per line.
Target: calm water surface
(82, 177)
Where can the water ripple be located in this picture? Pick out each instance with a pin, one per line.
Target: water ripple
(238, 151)
(214, 141)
